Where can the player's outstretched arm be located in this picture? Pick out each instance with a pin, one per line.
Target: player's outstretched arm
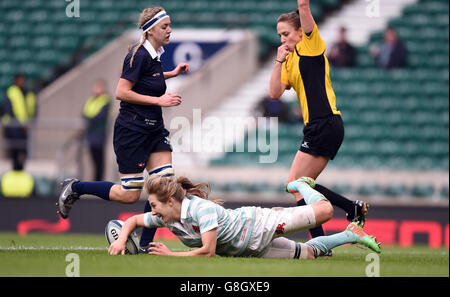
(306, 17)
(208, 249)
(181, 68)
(118, 246)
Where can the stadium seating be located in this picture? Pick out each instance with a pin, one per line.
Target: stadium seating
(394, 119)
(40, 40)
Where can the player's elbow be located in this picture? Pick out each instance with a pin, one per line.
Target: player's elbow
(208, 252)
(119, 94)
(275, 94)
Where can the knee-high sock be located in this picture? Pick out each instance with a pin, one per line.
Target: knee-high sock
(309, 194)
(326, 243)
(98, 188)
(147, 233)
(336, 199)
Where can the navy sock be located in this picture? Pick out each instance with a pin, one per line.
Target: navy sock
(316, 231)
(98, 188)
(336, 199)
(147, 233)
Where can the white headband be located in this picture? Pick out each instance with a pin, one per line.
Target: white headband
(155, 20)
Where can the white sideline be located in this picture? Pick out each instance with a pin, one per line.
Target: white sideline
(60, 248)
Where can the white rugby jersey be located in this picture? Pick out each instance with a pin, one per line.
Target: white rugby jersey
(234, 226)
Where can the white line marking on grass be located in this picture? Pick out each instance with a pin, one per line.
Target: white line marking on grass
(61, 248)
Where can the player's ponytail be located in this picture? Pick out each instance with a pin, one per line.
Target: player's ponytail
(144, 37)
(200, 190)
(164, 188)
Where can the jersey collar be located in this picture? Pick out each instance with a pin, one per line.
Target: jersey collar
(149, 47)
(184, 208)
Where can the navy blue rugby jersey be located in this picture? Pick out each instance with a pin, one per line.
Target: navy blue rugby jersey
(148, 76)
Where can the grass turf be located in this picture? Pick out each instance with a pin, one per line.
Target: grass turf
(45, 255)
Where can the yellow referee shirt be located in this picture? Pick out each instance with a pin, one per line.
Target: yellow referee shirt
(307, 71)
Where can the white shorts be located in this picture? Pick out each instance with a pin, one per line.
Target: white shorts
(271, 223)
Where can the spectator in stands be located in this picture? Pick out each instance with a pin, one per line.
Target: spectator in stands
(19, 109)
(300, 65)
(269, 107)
(392, 53)
(95, 113)
(140, 139)
(342, 54)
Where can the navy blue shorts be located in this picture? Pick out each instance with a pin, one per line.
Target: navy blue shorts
(133, 148)
(323, 137)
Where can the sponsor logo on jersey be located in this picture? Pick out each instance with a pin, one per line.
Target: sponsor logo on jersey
(280, 228)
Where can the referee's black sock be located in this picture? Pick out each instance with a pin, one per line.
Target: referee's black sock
(316, 231)
(335, 199)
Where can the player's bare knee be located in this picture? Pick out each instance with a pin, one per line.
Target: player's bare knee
(329, 210)
(323, 211)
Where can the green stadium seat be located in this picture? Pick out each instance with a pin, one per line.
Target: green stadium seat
(368, 190)
(444, 192)
(44, 186)
(421, 191)
(395, 190)
(341, 188)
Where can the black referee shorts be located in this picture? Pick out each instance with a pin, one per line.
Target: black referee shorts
(323, 137)
(133, 148)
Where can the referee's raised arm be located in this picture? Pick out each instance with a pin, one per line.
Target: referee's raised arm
(306, 18)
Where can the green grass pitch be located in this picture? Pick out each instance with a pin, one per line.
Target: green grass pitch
(45, 255)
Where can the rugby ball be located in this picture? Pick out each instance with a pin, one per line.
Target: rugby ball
(112, 232)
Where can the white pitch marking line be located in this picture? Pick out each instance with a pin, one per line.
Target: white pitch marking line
(70, 248)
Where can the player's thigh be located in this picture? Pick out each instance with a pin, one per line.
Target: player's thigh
(307, 165)
(159, 158)
(286, 220)
(161, 150)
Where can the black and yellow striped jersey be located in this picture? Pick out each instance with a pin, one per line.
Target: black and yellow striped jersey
(307, 70)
